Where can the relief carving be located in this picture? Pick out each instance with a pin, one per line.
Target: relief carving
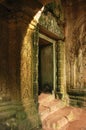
(26, 67)
(78, 51)
(53, 21)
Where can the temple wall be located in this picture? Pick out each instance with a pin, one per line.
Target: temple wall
(75, 35)
(16, 72)
(9, 61)
(3, 60)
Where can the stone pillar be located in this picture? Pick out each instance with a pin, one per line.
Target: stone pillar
(67, 75)
(27, 71)
(75, 73)
(11, 109)
(17, 108)
(71, 75)
(35, 65)
(54, 69)
(61, 74)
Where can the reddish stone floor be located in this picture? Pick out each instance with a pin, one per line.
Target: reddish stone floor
(55, 115)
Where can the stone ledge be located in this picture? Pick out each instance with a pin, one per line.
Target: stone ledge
(77, 92)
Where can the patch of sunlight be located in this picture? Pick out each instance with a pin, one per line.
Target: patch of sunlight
(26, 57)
(38, 14)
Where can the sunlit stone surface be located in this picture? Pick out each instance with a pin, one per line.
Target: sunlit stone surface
(44, 34)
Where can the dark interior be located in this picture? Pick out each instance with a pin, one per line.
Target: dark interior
(45, 66)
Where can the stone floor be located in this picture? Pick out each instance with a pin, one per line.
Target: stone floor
(55, 115)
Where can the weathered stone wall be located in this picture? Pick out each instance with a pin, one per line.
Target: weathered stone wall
(4, 91)
(9, 60)
(75, 33)
(10, 105)
(16, 72)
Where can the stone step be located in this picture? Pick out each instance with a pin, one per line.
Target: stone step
(54, 104)
(58, 119)
(45, 98)
(66, 119)
(80, 122)
(56, 116)
(50, 108)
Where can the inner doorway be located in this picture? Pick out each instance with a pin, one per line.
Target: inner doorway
(46, 66)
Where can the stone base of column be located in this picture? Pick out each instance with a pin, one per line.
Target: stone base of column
(59, 95)
(13, 116)
(32, 115)
(64, 97)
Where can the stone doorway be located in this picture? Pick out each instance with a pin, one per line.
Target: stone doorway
(46, 68)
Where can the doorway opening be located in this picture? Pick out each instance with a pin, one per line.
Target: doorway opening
(46, 68)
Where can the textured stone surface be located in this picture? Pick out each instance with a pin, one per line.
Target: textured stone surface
(19, 60)
(16, 82)
(61, 117)
(51, 20)
(75, 49)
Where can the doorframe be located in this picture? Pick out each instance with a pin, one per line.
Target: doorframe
(52, 41)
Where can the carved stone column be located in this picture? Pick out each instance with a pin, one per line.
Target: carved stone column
(35, 64)
(75, 68)
(67, 75)
(27, 71)
(72, 75)
(17, 108)
(61, 84)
